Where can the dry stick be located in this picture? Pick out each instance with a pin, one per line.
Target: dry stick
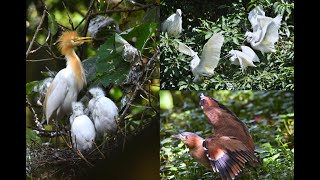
(86, 16)
(81, 155)
(35, 116)
(99, 150)
(36, 33)
(41, 45)
(70, 20)
(117, 4)
(39, 60)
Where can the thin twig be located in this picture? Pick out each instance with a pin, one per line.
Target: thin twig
(99, 150)
(35, 116)
(39, 60)
(87, 14)
(117, 4)
(82, 157)
(70, 20)
(36, 33)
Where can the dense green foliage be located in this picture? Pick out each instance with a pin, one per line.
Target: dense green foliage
(275, 70)
(268, 115)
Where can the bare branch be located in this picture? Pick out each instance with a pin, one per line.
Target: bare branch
(39, 60)
(36, 33)
(117, 4)
(35, 116)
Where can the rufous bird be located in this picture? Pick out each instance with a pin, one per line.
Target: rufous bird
(68, 82)
(231, 146)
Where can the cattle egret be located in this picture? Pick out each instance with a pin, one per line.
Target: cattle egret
(173, 24)
(244, 58)
(209, 58)
(82, 128)
(103, 111)
(265, 31)
(68, 82)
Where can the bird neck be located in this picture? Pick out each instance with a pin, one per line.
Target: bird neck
(74, 63)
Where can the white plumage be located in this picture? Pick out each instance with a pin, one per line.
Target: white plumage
(103, 112)
(209, 58)
(265, 31)
(244, 58)
(82, 128)
(173, 24)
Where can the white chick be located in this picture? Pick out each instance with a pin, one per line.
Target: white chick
(82, 128)
(209, 58)
(173, 24)
(103, 111)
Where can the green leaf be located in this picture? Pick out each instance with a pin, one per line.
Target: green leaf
(139, 35)
(110, 67)
(32, 136)
(30, 87)
(53, 25)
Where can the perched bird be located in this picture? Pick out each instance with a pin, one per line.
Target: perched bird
(231, 146)
(173, 24)
(103, 112)
(82, 128)
(209, 58)
(265, 31)
(244, 58)
(68, 82)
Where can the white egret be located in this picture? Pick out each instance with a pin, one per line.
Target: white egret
(68, 82)
(209, 58)
(103, 112)
(265, 31)
(173, 24)
(82, 128)
(244, 58)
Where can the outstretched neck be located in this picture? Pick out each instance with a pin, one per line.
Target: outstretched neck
(74, 63)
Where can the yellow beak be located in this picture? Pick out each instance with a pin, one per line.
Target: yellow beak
(84, 39)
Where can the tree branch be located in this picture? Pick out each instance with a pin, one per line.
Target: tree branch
(36, 33)
(35, 116)
(123, 10)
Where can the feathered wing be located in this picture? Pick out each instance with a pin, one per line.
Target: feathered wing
(227, 155)
(250, 53)
(185, 49)
(272, 34)
(211, 54)
(242, 59)
(253, 16)
(57, 90)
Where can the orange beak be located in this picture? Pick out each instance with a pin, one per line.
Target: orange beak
(84, 39)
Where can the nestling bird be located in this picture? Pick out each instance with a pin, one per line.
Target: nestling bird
(244, 58)
(103, 112)
(265, 31)
(209, 58)
(82, 128)
(231, 146)
(173, 24)
(68, 82)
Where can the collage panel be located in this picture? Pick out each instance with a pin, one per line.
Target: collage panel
(92, 89)
(227, 45)
(226, 134)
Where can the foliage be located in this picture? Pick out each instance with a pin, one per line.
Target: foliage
(275, 70)
(268, 115)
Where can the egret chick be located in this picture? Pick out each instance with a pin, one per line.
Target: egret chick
(68, 82)
(82, 128)
(244, 58)
(173, 24)
(265, 31)
(104, 112)
(209, 58)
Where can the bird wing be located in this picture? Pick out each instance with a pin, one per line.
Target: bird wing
(272, 34)
(166, 23)
(56, 94)
(185, 49)
(253, 16)
(211, 53)
(227, 155)
(250, 53)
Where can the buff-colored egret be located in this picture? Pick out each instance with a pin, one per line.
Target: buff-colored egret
(82, 128)
(173, 24)
(68, 82)
(265, 31)
(103, 112)
(209, 58)
(244, 58)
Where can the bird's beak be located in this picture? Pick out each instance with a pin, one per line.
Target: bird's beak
(178, 136)
(84, 39)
